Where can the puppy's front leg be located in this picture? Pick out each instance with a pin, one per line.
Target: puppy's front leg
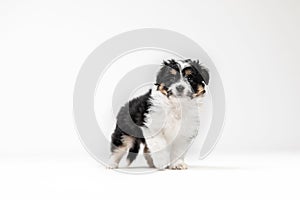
(178, 151)
(159, 150)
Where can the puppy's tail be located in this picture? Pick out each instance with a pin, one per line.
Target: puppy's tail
(133, 151)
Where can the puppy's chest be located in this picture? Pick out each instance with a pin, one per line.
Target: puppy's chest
(176, 120)
(182, 120)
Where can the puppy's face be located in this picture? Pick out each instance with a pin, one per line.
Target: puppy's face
(184, 78)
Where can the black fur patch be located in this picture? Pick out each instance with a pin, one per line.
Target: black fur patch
(202, 71)
(129, 121)
(165, 74)
(133, 151)
(197, 75)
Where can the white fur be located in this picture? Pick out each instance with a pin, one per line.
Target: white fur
(171, 125)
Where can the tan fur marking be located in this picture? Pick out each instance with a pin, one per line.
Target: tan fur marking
(127, 141)
(173, 71)
(188, 72)
(148, 157)
(199, 92)
(162, 90)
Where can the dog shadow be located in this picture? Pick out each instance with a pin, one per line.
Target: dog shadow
(207, 167)
(190, 167)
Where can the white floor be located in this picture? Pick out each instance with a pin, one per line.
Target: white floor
(268, 176)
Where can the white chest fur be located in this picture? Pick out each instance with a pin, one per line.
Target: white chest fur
(171, 118)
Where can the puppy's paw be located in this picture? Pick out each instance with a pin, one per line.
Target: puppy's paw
(178, 165)
(112, 166)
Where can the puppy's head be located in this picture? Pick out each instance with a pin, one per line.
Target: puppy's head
(182, 78)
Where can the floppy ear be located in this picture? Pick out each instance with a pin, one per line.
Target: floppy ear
(159, 75)
(168, 66)
(202, 70)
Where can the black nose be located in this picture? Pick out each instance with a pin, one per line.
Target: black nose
(179, 88)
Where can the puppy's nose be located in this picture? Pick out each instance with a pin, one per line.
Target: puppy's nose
(179, 88)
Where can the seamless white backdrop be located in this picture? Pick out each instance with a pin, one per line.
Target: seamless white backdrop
(254, 44)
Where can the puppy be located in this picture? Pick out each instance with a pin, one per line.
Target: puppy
(165, 120)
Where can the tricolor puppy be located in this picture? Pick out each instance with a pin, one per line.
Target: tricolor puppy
(165, 120)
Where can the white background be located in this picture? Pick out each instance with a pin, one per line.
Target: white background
(254, 44)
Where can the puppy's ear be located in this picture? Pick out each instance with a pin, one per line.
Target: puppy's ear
(168, 67)
(160, 74)
(205, 75)
(202, 70)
